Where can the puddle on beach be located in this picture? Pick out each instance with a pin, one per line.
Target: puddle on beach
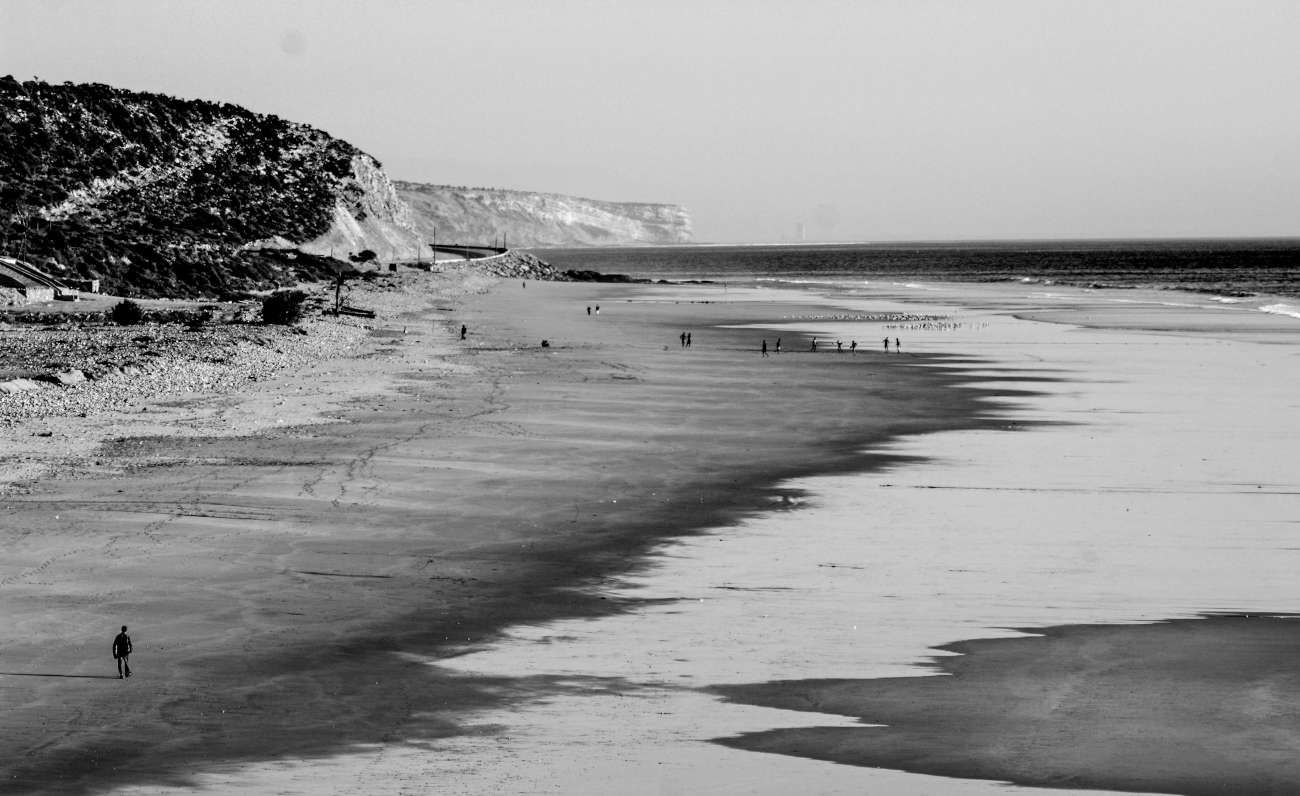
(1150, 502)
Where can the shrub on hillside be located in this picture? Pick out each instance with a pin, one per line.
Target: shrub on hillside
(283, 307)
(127, 313)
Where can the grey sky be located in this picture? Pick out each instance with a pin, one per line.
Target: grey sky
(867, 120)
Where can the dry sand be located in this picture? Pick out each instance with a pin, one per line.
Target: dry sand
(280, 575)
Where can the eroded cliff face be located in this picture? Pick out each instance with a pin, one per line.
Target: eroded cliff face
(481, 215)
(368, 213)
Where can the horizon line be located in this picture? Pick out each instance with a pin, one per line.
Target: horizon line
(948, 241)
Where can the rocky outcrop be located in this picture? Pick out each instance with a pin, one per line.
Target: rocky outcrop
(481, 215)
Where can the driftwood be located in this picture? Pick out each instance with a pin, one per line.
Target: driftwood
(357, 311)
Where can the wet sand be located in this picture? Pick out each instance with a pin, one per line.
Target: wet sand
(1168, 493)
(284, 588)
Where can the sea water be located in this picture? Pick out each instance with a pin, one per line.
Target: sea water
(1228, 268)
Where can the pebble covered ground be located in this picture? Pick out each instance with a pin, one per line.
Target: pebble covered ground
(81, 366)
(75, 369)
(72, 382)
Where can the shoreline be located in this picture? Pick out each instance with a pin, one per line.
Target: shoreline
(297, 548)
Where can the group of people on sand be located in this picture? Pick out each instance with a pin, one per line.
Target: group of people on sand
(839, 345)
(685, 337)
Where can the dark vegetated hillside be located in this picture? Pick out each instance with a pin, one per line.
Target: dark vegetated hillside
(155, 195)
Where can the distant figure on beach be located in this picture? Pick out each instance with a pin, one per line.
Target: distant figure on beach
(765, 348)
(814, 346)
(839, 346)
(588, 309)
(853, 346)
(463, 331)
(683, 339)
(121, 651)
(778, 345)
(898, 345)
(886, 343)
(597, 309)
(688, 334)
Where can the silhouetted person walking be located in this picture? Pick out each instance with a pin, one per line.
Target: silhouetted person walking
(778, 345)
(683, 339)
(886, 343)
(588, 309)
(764, 348)
(853, 346)
(121, 651)
(688, 334)
(898, 344)
(463, 331)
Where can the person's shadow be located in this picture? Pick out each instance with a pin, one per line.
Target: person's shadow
(46, 674)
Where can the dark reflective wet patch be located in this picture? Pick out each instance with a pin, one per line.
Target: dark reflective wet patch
(1189, 706)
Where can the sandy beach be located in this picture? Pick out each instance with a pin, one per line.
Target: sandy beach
(1057, 579)
(289, 556)
(616, 564)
